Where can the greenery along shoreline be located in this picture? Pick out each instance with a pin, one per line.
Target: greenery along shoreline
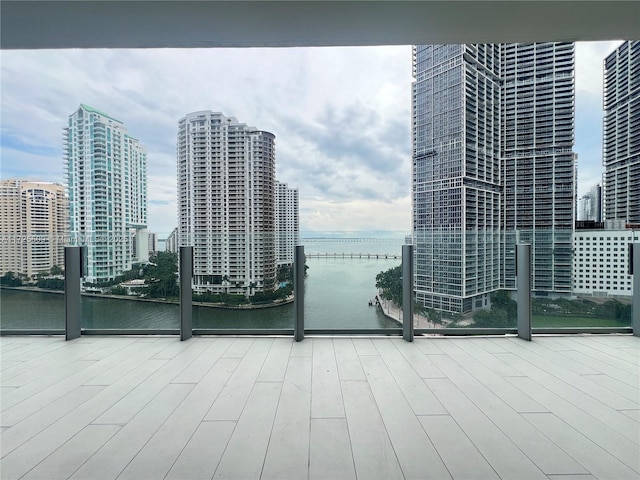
(170, 301)
(159, 285)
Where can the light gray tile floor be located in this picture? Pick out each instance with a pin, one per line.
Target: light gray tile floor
(326, 408)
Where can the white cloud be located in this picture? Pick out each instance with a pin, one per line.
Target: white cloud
(341, 117)
(589, 66)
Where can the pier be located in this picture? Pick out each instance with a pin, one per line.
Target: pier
(383, 256)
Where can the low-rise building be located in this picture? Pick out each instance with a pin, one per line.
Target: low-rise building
(601, 260)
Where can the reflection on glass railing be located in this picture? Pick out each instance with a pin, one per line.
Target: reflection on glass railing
(581, 312)
(26, 308)
(500, 311)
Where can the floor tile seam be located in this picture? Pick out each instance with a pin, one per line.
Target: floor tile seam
(467, 437)
(252, 380)
(409, 409)
(539, 377)
(127, 390)
(173, 464)
(189, 366)
(237, 422)
(77, 426)
(54, 385)
(576, 423)
(131, 359)
(222, 388)
(403, 359)
(354, 358)
(571, 384)
(332, 358)
(65, 443)
(154, 433)
(56, 419)
(531, 373)
(596, 343)
(399, 387)
(141, 408)
(633, 397)
(478, 432)
(44, 406)
(490, 418)
(466, 363)
(575, 432)
(45, 345)
(384, 427)
(44, 369)
(273, 422)
(600, 356)
(531, 352)
(215, 359)
(628, 366)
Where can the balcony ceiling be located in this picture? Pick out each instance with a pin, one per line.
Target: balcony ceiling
(29, 24)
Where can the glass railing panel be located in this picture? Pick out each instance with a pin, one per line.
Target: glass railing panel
(340, 286)
(142, 296)
(26, 308)
(581, 312)
(458, 280)
(242, 282)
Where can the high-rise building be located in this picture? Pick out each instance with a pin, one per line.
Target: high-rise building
(33, 226)
(590, 205)
(287, 222)
(226, 202)
(106, 175)
(171, 243)
(153, 242)
(621, 146)
(492, 165)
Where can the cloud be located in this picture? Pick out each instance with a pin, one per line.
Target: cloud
(589, 114)
(341, 116)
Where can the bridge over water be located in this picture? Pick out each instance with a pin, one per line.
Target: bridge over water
(383, 256)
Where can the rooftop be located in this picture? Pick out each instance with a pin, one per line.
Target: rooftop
(154, 407)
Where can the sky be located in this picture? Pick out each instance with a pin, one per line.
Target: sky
(341, 117)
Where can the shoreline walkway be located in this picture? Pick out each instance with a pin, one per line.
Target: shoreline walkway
(392, 311)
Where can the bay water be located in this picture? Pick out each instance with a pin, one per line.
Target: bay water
(337, 293)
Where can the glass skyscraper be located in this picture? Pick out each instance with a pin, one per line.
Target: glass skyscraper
(492, 165)
(622, 133)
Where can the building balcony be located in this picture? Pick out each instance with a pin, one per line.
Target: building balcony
(154, 407)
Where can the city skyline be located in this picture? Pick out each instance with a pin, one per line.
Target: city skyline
(341, 117)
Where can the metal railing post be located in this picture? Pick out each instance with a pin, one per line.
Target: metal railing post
(407, 292)
(298, 293)
(635, 306)
(523, 287)
(73, 271)
(186, 294)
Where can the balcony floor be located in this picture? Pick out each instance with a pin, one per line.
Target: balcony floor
(153, 407)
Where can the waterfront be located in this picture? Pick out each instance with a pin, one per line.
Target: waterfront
(337, 292)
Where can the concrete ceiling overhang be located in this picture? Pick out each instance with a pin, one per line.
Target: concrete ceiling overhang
(27, 24)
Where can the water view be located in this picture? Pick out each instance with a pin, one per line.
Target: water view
(337, 295)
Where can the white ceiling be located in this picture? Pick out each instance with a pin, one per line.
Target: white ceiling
(27, 24)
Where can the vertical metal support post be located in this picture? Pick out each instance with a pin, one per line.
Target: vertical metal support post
(73, 262)
(523, 286)
(298, 293)
(407, 292)
(635, 306)
(186, 298)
